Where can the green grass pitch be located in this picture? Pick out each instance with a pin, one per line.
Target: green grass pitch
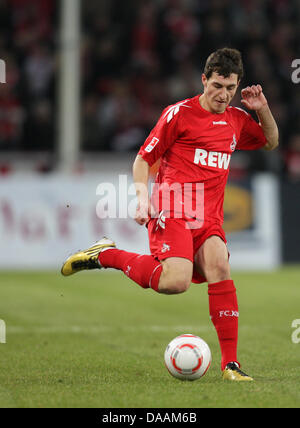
(97, 340)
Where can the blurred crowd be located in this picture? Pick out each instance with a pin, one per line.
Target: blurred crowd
(27, 99)
(138, 56)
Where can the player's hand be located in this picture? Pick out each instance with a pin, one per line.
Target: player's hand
(143, 212)
(253, 97)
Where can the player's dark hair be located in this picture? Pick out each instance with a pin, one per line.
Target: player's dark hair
(224, 61)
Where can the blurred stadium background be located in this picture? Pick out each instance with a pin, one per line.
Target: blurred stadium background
(86, 82)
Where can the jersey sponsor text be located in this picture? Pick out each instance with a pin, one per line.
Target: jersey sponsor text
(214, 159)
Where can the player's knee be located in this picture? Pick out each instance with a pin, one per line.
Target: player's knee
(174, 281)
(220, 271)
(224, 269)
(180, 284)
(176, 286)
(176, 276)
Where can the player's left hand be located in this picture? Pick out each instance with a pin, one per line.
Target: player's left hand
(253, 97)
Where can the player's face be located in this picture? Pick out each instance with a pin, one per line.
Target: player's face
(218, 91)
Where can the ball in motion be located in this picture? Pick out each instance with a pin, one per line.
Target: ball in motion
(187, 357)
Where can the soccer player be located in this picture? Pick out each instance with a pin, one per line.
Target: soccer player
(194, 140)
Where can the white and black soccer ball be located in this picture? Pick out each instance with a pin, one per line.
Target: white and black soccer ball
(187, 357)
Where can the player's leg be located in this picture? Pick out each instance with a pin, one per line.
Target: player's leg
(143, 269)
(171, 276)
(176, 275)
(212, 261)
(167, 270)
(172, 244)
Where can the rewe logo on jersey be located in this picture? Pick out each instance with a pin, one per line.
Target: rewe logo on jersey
(214, 159)
(174, 110)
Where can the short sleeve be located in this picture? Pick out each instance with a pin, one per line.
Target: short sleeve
(251, 136)
(162, 136)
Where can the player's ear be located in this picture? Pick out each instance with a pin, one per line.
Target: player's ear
(204, 80)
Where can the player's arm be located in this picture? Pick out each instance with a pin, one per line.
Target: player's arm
(269, 127)
(159, 140)
(140, 171)
(254, 99)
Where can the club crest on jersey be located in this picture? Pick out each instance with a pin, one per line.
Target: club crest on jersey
(233, 143)
(152, 144)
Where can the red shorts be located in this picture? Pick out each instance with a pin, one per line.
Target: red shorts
(173, 239)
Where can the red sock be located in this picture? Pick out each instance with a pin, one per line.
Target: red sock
(143, 269)
(223, 309)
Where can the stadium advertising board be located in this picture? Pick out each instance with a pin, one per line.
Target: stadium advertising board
(44, 218)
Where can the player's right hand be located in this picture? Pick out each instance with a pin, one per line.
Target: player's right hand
(143, 212)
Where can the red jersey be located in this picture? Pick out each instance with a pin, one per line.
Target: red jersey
(195, 146)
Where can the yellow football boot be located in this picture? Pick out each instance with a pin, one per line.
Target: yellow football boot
(86, 259)
(233, 372)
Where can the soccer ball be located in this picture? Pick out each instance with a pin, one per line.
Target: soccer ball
(187, 357)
